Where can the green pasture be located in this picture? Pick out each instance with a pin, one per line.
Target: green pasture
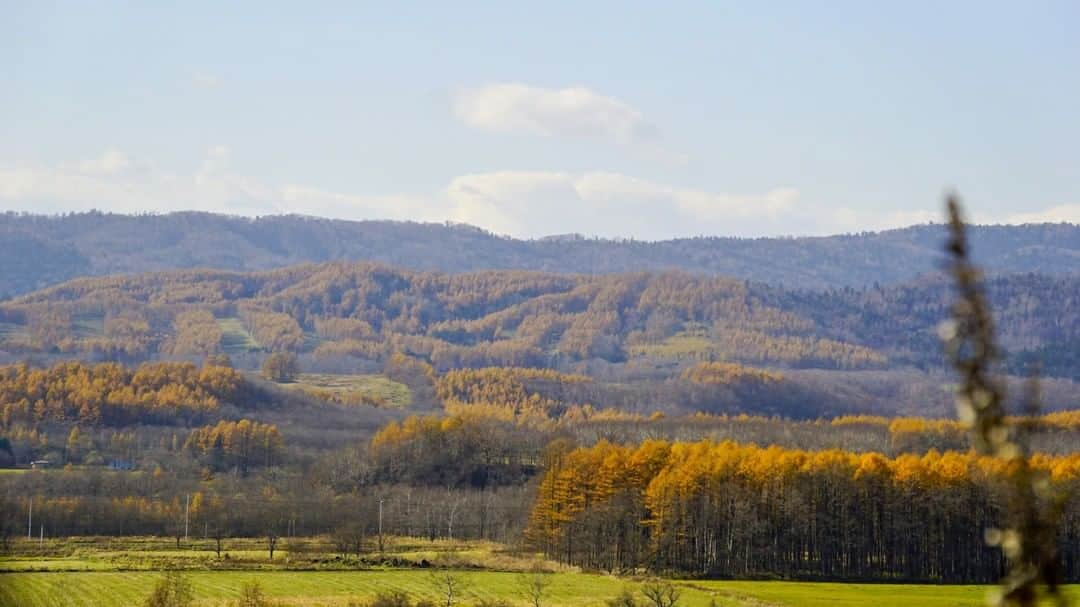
(120, 571)
(393, 394)
(337, 588)
(235, 339)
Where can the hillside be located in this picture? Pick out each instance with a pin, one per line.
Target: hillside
(529, 319)
(38, 251)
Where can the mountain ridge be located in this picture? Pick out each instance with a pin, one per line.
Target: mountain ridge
(41, 250)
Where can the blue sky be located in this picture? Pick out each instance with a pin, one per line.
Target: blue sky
(649, 120)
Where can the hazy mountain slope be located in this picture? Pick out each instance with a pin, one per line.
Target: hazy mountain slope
(38, 251)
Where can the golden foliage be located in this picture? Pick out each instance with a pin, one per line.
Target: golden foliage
(729, 373)
(111, 394)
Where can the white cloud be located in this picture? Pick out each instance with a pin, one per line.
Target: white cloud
(218, 162)
(518, 203)
(540, 203)
(1067, 213)
(111, 162)
(850, 220)
(114, 181)
(576, 111)
(321, 203)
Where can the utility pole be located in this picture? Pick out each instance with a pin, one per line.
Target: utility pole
(187, 510)
(30, 520)
(380, 526)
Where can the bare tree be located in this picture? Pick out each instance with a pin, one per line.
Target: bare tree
(533, 586)
(217, 524)
(271, 542)
(349, 539)
(454, 501)
(218, 533)
(661, 593)
(450, 585)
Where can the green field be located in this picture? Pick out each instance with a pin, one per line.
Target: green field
(686, 345)
(115, 572)
(350, 389)
(235, 339)
(88, 326)
(337, 588)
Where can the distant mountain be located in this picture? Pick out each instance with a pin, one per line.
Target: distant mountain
(38, 251)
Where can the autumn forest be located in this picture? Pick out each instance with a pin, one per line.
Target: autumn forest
(675, 422)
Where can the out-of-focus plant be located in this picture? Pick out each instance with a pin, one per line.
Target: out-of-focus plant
(1029, 536)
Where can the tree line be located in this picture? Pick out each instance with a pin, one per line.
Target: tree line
(732, 510)
(242, 445)
(115, 395)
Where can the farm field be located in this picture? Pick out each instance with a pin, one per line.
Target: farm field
(337, 588)
(115, 572)
(235, 339)
(354, 389)
(690, 343)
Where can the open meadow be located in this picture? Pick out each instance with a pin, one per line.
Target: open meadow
(338, 588)
(118, 572)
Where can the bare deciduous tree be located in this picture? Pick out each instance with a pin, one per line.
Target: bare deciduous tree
(661, 593)
(271, 543)
(450, 585)
(533, 586)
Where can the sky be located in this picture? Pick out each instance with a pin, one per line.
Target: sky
(617, 119)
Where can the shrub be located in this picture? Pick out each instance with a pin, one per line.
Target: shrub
(172, 590)
(251, 595)
(281, 367)
(394, 598)
(625, 599)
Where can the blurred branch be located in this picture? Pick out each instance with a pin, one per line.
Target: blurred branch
(1029, 541)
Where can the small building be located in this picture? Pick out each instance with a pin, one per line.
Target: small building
(40, 463)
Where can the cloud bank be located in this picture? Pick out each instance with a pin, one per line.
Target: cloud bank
(1065, 213)
(517, 203)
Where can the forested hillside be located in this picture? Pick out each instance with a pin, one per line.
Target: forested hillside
(37, 251)
(887, 499)
(528, 319)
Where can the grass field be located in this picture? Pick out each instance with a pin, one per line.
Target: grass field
(158, 553)
(325, 588)
(681, 346)
(352, 389)
(88, 326)
(120, 572)
(235, 339)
